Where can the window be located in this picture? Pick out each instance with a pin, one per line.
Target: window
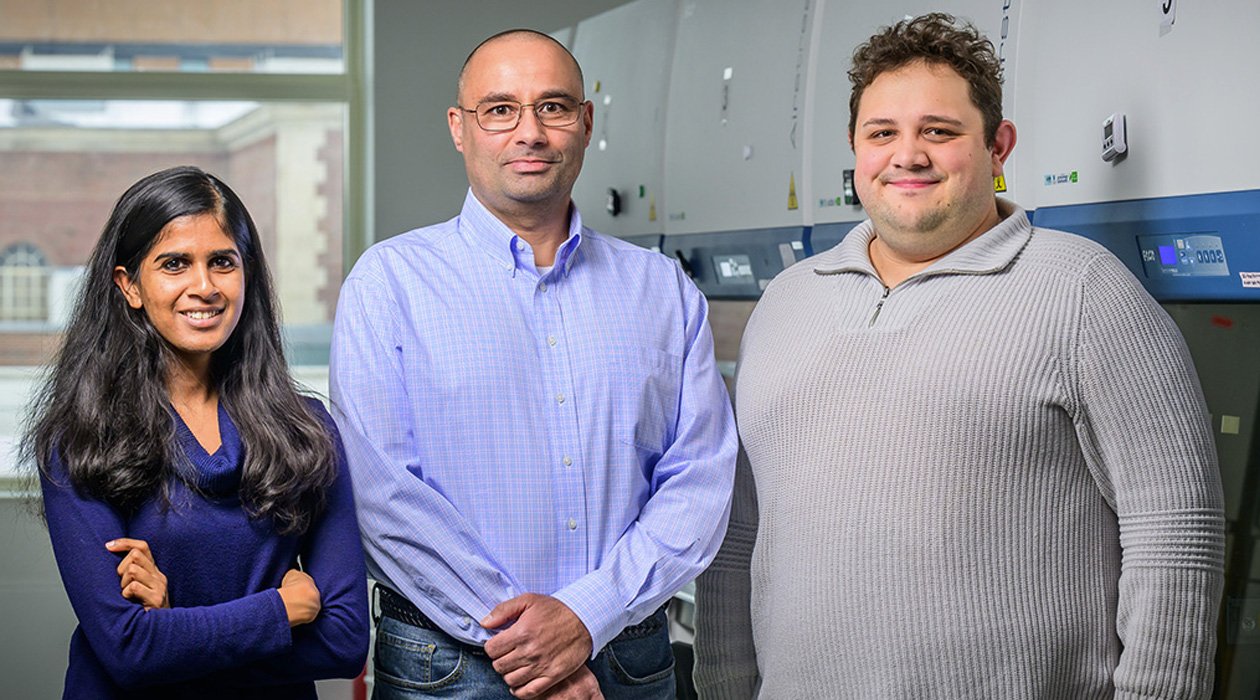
(94, 96)
(23, 284)
(67, 161)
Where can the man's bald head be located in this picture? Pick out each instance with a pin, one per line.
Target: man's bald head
(509, 35)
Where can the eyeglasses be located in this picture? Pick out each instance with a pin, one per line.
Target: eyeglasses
(504, 115)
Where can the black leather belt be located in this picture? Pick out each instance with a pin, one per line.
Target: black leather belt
(394, 604)
(650, 626)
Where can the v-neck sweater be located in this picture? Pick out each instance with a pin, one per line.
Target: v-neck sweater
(227, 633)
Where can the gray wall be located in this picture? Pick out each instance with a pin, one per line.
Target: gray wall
(38, 620)
(419, 48)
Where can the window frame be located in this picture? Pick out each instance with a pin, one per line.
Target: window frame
(24, 275)
(351, 88)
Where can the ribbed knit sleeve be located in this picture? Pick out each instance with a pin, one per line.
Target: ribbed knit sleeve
(1146, 435)
(726, 662)
(137, 647)
(335, 644)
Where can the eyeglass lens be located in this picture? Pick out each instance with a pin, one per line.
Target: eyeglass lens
(500, 116)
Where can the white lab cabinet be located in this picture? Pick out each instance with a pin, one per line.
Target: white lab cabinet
(735, 125)
(625, 55)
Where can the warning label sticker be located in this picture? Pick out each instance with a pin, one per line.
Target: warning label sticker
(1250, 279)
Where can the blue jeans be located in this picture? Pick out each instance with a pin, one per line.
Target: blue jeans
(413, 662)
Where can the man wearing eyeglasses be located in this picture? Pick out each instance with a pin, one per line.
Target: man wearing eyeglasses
(542, 447)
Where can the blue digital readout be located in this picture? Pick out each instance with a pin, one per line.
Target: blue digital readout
(1183, 255)
(1194, 247)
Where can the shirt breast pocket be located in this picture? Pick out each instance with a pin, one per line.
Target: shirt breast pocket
(644, 385)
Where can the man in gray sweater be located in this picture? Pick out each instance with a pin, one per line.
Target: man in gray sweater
(983, 466)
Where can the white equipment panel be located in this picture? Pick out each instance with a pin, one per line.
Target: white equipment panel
(1083, 60)
(626, 55)
(736, 118)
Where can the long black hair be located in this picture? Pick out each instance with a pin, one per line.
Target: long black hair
(104, 412)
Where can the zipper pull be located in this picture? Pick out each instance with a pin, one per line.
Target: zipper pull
(879, 306)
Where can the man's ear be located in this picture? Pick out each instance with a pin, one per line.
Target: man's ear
(1003, 144)
(588, 120)
(128, 286)
(455, 120)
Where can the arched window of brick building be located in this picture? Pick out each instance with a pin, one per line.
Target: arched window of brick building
(23, 283)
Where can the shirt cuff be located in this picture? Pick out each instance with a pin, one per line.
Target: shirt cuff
(592, 599)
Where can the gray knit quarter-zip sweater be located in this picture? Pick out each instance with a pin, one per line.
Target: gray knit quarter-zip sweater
(996, 480)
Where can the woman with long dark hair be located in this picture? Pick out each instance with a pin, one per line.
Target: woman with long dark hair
(199, 507)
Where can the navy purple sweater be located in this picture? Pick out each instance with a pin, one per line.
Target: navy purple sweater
(227, 633)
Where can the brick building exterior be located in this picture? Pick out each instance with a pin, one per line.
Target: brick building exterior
(59, 180)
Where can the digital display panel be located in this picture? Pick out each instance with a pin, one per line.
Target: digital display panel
(733, 269)
(1183, 255)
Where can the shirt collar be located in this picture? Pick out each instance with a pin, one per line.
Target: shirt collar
(508, 249)
(991, 252)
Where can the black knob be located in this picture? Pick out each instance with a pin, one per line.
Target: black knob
(684, 263)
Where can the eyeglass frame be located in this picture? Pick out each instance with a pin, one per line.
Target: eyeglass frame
(521, 111)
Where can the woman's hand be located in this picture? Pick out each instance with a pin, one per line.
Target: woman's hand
(141, 580)
(300, 596)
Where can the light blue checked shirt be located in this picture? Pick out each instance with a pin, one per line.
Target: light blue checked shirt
(507, 433)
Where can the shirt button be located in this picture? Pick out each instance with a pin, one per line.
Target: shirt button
(559, 398)
(568, 461)
(466, 620)
(551, 340)
(542, 287)
(520, 245)
(572, 524)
